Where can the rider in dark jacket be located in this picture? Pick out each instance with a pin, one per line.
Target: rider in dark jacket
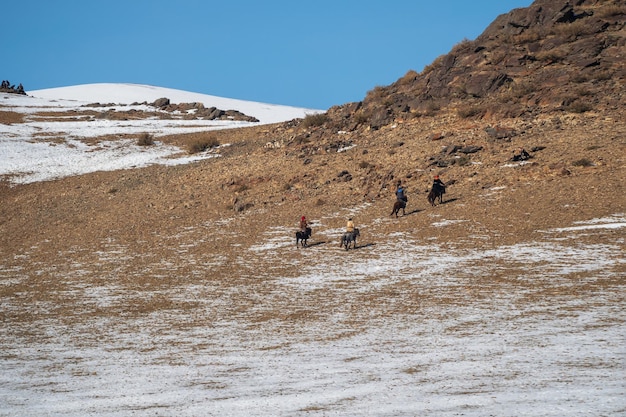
(438, 186)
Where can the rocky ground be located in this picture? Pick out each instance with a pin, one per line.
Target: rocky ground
(184, 285)
(191, 266)
(575, 173)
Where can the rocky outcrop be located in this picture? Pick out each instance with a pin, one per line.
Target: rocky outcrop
(198, 111)
(552, 56)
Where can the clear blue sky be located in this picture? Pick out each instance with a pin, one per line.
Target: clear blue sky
(312, 54)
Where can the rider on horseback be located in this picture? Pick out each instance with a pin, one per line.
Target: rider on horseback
(303, 224)
(438, 186)
(401, 193)
(350, 226)
(349, 229)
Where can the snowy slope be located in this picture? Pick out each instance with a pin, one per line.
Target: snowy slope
(131, 93)
(40, 149)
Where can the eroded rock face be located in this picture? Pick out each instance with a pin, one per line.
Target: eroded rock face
(549, 56)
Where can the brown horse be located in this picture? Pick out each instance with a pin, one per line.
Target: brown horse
(399, 204)
(433, 195)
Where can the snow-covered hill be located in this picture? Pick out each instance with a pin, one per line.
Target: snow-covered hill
(43, 148)
(137, 93)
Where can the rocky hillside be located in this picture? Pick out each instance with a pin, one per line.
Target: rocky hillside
(555, 55)
(548, 78)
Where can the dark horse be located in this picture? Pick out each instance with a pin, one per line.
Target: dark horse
(350, 237)
(434, 194)
(397, 206)
(302, 237)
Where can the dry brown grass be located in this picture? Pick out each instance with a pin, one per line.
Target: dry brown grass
(10, 117)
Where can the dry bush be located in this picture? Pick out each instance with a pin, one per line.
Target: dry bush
(145, 139)
(436, 64)
(202, 144)
(470, 111)
(497, 56)
(313, 120)
(361, 118)
(583, 162)
(10, 117)
(464, 46)
(529, 36)
(574, 29)
(552, 55)
(579, 78)
(240, 188)
(464, 160)
(578, 106)
(376, 94)
(603, 76)
(408, 78)
(611, 10)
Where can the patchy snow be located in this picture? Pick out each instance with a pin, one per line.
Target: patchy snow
(40, 150)
(532, 329)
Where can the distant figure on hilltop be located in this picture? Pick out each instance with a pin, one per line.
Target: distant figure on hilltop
(7, 87)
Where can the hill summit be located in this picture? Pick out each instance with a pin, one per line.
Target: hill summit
(555, 55)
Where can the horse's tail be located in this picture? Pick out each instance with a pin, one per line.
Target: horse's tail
(431, 197)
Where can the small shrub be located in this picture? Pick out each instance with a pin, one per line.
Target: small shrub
(523, 88)
(584, 162)
(436, 64)
(579, 107)
(528, 36)
(464, 160)
(361, 118)
(240, 188)
(611, 10)
(552, 55)
(574, 29)
(497, 56)
(364, 165)
(408, 78)
(579, 78)
(202, 144)
(145, 139)
(470, 111)
(313, 120)
(462, 46)
(603, 76)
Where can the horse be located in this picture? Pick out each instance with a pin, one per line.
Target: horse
(399, 204)
(434, 194)
(350, 237)
(303, 236)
